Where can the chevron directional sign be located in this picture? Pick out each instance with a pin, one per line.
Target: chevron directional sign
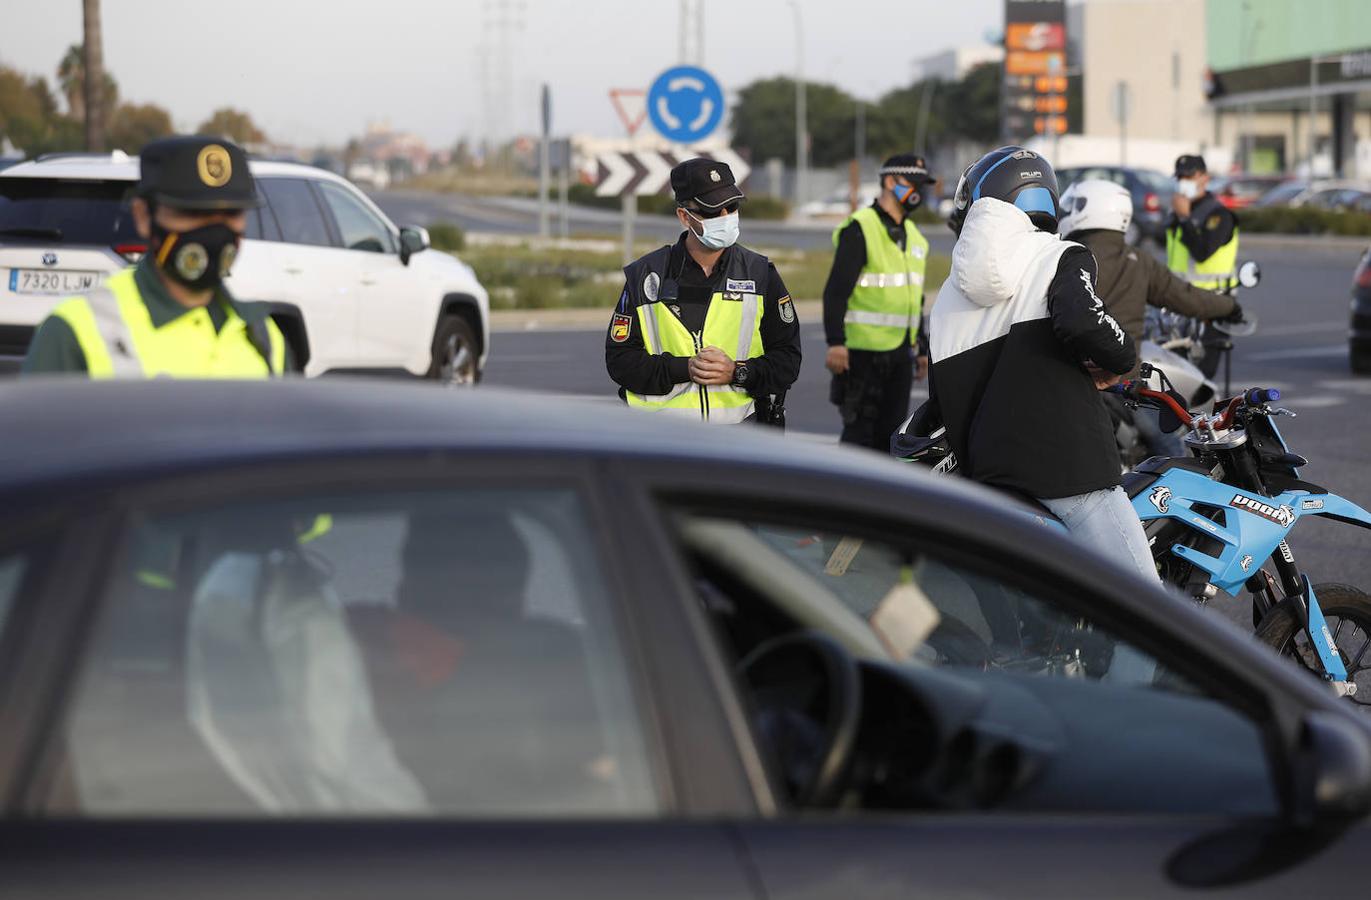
(649, 171)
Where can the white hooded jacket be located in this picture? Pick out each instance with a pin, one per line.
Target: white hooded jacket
(1011, 333)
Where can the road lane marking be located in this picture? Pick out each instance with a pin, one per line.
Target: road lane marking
(1297, 353)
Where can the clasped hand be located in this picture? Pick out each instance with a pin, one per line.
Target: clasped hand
(711, 366)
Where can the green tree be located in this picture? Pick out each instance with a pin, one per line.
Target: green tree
(763, 121)
(29, 117)
(71, 81)
(133, 126)
(233, 124)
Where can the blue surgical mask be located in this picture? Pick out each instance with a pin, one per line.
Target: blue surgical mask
(719, 232)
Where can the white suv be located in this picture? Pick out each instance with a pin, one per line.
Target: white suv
(350, 290)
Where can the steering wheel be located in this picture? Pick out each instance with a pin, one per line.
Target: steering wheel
(807, 694)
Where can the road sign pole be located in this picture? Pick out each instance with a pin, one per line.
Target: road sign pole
(564, 205)
(630, 211)
(543, 164)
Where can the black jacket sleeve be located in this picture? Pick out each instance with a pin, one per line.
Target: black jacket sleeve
(629, 363)
(54, 349)
(848, 261)
(779, 365)
(1166, 290)
(1079, 317)
(1205, 237)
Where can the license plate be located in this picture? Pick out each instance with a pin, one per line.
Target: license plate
(51, 281)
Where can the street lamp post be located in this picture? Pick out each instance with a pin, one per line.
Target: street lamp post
(801, 117)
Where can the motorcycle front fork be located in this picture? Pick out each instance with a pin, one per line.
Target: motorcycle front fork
(1297, 587)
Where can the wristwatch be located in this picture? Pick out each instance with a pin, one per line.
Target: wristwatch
(740, 374)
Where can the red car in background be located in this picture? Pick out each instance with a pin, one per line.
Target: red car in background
(1239, 191)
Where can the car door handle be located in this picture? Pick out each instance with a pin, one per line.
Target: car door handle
(368, 281)
(293, 270)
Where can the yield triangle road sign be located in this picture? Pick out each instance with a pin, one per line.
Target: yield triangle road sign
(631, 105)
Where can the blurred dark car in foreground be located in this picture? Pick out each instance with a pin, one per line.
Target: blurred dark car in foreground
(362, 640)
(1359, 337)
(1151, 192)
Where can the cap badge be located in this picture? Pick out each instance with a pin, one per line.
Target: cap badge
(214, 166)
(714, 175)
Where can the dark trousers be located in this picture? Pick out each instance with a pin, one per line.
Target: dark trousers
(873, 395)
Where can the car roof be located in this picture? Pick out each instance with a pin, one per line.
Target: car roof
(118, 166)
(61, 427)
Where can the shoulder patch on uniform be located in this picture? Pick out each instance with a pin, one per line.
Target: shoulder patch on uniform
(740, 286)
(620, 328)
(787, 309)
(650, 285)
(1213, 222)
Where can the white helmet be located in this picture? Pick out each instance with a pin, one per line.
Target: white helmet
(1095, 204)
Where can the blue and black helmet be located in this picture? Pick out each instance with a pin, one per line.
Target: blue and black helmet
(1014, 175)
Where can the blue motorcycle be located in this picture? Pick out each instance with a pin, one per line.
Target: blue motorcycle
(1216, 518)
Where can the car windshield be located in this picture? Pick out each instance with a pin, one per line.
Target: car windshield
(1155, 182)
(73, 212)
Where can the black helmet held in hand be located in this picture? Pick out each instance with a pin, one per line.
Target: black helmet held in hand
(1014, 175)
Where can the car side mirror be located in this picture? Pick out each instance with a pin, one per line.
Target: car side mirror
(1334, 780)
(1249, 274)
(413, 239)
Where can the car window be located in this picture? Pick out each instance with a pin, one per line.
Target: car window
(297, 213)
(67, 212)
(360, 227)
(1039, 666)
(441, 652)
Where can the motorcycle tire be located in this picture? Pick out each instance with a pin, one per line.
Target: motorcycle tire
(1343, 605)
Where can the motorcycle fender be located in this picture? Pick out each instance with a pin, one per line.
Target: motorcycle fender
(1339, 509)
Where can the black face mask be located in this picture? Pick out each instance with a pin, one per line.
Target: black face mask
(199, 258)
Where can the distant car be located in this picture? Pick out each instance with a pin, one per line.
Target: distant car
(838, 204)
(350, 290)
(1241, 191)
(330, 639)
(1320, 194)
(1359, 337)
(1151, 192)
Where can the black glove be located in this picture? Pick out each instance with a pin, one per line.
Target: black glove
(1234, 317)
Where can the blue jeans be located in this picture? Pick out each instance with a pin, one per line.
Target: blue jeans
(1105, 521)
(1159, 443)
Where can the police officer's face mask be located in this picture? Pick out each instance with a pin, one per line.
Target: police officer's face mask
(719, 232)
(200, 258)
(1188, 188)
(909, 196)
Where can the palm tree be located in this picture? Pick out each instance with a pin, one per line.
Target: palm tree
(71, 78)
(95, 75)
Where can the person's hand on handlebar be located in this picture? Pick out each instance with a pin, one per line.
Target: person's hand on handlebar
(1233, 317)
(1102, 378)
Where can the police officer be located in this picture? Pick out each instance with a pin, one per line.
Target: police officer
(873, 304)
(1202, 243)
(171, 315)
(704, 327)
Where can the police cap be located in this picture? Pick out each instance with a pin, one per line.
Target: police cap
(196, 172)
(706, 182)
(1190, 164)
(910, 165)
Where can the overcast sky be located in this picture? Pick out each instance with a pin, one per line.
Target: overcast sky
(317, 71)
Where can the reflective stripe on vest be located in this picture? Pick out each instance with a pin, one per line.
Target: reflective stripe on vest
(728, 323)
(115, 332)
(1217, 273)
(888, 297)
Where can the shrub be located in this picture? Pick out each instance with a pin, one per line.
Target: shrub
(1304, 220)
(447, 236)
